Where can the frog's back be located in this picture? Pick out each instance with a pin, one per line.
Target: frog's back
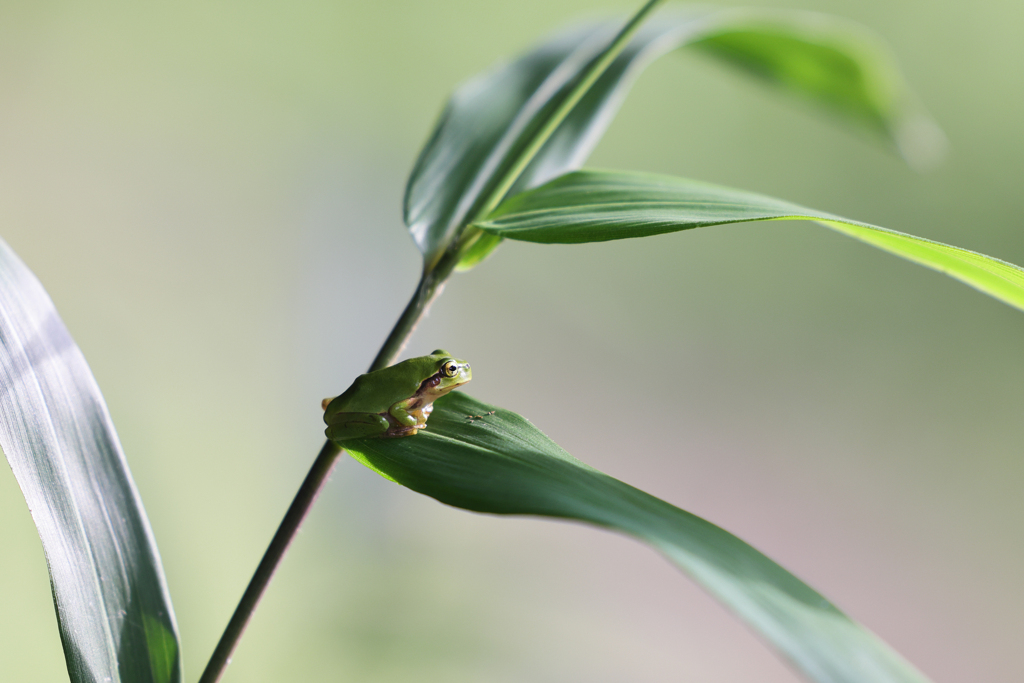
(375, 392)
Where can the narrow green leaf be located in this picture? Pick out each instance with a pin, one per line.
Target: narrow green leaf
(482, 458)
(494, 126)
(493, 118)
(594, 206)
(113, 608)
(832, 62)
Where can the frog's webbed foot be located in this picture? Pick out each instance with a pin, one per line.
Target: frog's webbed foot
(416, 417)
(403, 428)
(398, 415)
(395, 432)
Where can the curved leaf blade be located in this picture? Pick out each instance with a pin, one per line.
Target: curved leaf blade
(595, 206)
(482, 458)
(113, 609)
(491, 123)
(491, 119)
(832, 62)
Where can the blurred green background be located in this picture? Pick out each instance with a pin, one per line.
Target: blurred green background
(210, 192)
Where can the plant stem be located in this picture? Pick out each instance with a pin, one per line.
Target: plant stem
(429, 287)
(303, 501)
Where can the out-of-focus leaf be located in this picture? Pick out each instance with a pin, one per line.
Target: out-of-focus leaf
(113, 608)
(491, 119)
(486, 459)
(832, 62)
(594, 206)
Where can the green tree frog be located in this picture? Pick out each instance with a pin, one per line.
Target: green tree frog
(393, 401)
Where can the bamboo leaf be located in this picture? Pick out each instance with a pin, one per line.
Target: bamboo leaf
(492, 119)
(594, 206)
(113, 609)
(832, 62)
(486, 459)
(494, 126)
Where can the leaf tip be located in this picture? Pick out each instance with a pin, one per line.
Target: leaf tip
(921, 142)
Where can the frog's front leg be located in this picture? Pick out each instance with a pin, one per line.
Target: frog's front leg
(345, 426)
(409, 413)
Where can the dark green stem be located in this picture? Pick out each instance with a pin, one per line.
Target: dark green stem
(429, 287)
(303, 501)
(431, 283)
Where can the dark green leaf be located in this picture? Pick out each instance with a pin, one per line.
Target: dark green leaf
(113, 609)
(492, 124)
(490, 120)
(594, 206)
(486, 459)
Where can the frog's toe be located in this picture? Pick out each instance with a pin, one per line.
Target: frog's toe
(405, 419)
(396, 432)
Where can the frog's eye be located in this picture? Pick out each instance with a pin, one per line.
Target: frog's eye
(450, 368)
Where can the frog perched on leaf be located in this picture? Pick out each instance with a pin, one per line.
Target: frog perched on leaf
(394, 401)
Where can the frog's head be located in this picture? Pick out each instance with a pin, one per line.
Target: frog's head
(450, 373)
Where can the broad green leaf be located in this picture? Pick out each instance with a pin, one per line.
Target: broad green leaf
(113, 608)
(594, 206)
(486, 459)
(493, 118)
